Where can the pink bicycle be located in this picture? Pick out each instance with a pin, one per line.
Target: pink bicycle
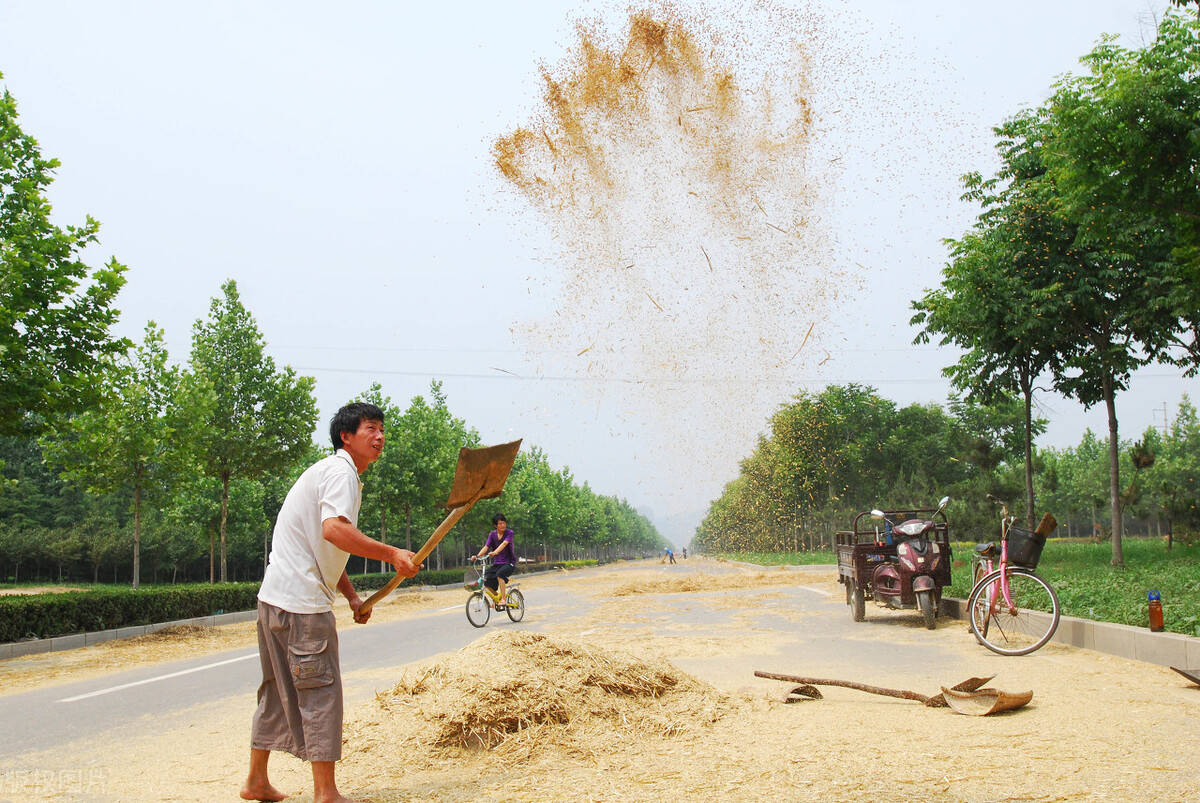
(1013, 611)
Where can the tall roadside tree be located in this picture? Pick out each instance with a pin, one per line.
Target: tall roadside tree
(55, 310)
(994, 301)
(1122, 145)
(387, 494)
(257, 419)
(123, 442)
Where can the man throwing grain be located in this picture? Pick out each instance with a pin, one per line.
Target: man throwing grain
(300, 697)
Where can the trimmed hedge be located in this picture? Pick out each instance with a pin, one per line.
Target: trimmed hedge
(46, 615)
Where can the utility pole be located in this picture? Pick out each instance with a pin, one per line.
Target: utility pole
(1166, 421)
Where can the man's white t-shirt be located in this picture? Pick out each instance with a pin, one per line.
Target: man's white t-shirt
(303, 569)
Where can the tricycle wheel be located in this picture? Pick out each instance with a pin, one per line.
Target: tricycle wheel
(928, 609)
(858, 605)
(848, 589)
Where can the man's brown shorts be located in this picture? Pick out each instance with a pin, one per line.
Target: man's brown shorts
(300, 698)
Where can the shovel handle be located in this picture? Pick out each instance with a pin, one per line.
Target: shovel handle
(451, 519)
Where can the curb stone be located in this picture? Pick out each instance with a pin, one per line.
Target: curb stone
(1125, 641)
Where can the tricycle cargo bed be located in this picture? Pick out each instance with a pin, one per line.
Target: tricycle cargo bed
(858, 551)
(859, 560)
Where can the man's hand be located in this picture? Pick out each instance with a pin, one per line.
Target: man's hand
(402, 560)
(355, 603)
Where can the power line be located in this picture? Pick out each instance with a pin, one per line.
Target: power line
(508, 375)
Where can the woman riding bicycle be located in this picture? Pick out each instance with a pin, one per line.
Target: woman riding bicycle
(499, 546)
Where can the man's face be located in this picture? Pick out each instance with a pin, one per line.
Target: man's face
(366, 444)
(501, 526)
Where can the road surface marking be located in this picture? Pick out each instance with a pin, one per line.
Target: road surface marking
(156, 679)
(822, 592)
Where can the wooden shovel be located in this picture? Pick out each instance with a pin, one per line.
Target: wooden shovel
(808, 689)
(985, 701)
(480, 474)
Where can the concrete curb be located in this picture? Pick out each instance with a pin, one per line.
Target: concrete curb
(19, 649)
(1126, 641)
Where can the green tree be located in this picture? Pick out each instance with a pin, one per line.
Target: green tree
(1174, 478)
(430, 437)
(993, 300)
(1125, 152)
(123, 442)
(1121, 144)
(259, 419)
(55, 310)
(388, 487)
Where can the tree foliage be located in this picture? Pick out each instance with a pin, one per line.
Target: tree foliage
(252, 419)
(1089, 232)
(828, 456)
(55, 310)
(123, 442)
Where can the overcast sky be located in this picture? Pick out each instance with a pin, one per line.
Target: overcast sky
(336, 164)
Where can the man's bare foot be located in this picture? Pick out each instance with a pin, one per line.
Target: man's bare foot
(263, 791)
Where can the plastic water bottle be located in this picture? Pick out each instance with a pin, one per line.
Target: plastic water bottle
(1156, 619)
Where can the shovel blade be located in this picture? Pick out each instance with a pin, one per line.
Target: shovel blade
(985, 701)
(970, 684)
(481, 473)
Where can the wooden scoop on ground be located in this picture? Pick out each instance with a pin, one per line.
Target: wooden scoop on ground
(480, 474)
(967, 697)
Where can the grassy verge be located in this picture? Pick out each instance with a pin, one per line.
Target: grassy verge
(1087, 586)
(781, 558)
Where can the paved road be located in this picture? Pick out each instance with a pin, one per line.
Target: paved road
(112, 704)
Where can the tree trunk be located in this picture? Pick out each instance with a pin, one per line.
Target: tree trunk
(1114, 473)
(212, 578)
(1027, 391)
(137, 529)
(382, 531)
(224, 518)
(408, 526)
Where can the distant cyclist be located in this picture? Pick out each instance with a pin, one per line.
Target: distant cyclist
(499, 546)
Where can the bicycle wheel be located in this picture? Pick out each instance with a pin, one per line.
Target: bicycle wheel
(1024, 627)
(979, 625)
(514, 603)
(478, 610)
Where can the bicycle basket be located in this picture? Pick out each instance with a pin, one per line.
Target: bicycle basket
(471, 579)
(1024, 547)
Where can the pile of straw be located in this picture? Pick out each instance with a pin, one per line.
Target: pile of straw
(516, 691)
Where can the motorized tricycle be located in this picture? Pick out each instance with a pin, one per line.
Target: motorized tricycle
(899, 558)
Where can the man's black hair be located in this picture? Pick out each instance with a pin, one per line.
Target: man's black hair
(499, 517)
(347, 419)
